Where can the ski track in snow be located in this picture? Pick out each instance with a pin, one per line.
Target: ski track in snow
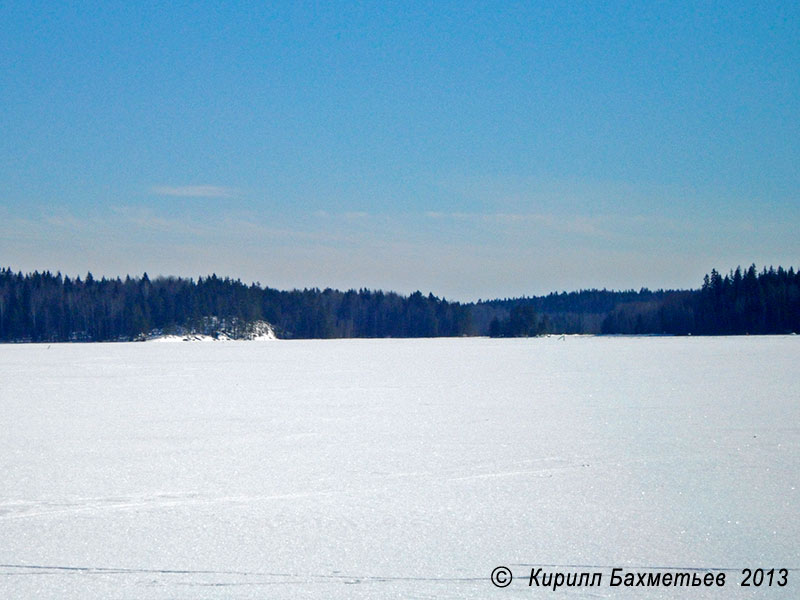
(21, 509)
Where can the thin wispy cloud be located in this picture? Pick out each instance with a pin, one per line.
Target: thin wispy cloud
(349, 215)
(574, 224)
(66, 221)
(194, 191)
(605, 225)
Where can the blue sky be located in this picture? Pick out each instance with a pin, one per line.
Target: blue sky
(469, 149)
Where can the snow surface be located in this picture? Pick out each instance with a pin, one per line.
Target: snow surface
(189, 337)
(394, 468)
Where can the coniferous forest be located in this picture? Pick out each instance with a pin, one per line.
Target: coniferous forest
(47, 307)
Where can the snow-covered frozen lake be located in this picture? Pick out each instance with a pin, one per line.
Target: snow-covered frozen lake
(394, 468)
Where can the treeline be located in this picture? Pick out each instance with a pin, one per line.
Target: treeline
(39, 307)
(50, 307)
(566, 312)
(742, 302)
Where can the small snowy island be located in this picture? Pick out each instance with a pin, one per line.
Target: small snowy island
(215, 330)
